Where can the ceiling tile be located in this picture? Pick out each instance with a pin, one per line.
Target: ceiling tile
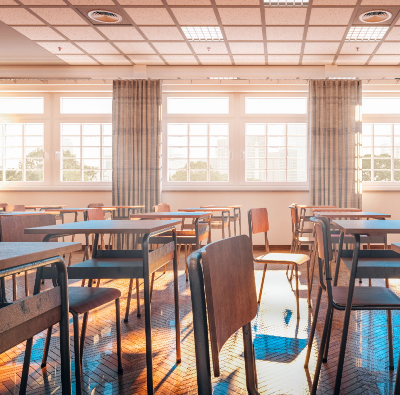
(189, 2)
(321, 48)
(283, 59)
(238, 2)
(209, 47)
(240, 16)
(247, 48)
(380, 2)
(249, 59)
(140, 2)
(112, 60)
(97, 47)
(215, 59)
(385, 60)
(335, 2)
(352, 59)
(150, 16)
(330, 16)
(285, 16)
(195, 16)
(284, 33)
(43, 2)
(181, 59)
(147, 59)
(8, 2)
(92, 2)
(326, 33)
(134, 48)
(172, 48)
(120, 33)
(317, 59)
(78, 33)
(39, 32)
(394, 34)
(18, 16)
(77, 59)
(244, 33)
(389, 48)
(363, 48)
(162, 33)
(284, 48)
(66, 47)
(60, 16)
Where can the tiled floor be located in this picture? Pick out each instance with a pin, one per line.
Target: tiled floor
(280, 343)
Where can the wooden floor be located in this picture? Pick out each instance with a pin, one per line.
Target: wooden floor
(280, 347)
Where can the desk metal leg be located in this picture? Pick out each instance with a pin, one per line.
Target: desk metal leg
(176, 296)
(347, 315)
(339, 254)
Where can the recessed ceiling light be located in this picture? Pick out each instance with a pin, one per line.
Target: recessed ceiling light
(366, 33)
(376, 16)
(286, 2)
(103, 16)
(223, 78)
(203, 33)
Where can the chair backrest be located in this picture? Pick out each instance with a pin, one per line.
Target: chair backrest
(294, 214)
(16, 207)
(258, 223)
(162, 208)
(91, 205)
(3, 205)
(12, 227)
(95, 214)
(228, 270)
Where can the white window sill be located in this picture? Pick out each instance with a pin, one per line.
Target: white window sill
(233, 188)
(381, 186)
(57, 188)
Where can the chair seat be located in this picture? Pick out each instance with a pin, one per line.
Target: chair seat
(298, 259)
(82, 299)
(366, 296)
(306, 239)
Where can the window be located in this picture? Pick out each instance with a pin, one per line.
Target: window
(276, 152)
(21, 105)
(198, 152)
(198, 105)
(86, 105)
(381, 105)
(86, 152)
(21, 152)
(276, 105)
(380, 152)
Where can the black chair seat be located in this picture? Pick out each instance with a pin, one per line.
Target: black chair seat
(82, 299)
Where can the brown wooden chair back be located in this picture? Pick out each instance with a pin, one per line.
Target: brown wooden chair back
(162, 208)
(3, 205)
(320, 239)
(95, 214)
(228, 270)
(17, 207)
(259, 220)
(12, 227)
(91, 205)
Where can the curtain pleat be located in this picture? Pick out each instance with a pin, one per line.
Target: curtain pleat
(335, 137)
(136, 143)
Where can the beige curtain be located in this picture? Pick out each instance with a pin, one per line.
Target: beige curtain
(136, 143)
(335, 137)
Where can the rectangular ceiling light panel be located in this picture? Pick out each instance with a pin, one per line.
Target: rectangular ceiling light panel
(366, 33)
(286, 2)
(203, 33)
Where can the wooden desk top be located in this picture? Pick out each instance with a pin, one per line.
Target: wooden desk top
(351, 214)
(351, 209)
(313, 206)
(116, 207)
(370, 228)
(206, 209)
(46, 206)
(23, 213)
(17, 254)
(233, 206)
(105, 226)
(181, 215)
(79, 209)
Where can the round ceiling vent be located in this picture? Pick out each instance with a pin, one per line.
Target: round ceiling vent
(376, 16)
(103, 16)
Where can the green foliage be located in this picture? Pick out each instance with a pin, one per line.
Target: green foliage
(73, 164)
(34, 168)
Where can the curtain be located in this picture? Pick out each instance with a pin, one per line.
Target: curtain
(335, 137)
(136, 143)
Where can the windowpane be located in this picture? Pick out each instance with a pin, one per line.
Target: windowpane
(381, 105)
(198, 105)
(86, 141)
(276, 105)
(21, 105)
(86, 105)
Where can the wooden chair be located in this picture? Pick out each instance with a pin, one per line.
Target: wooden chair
(364, 298)
(258, 223)
(12, 229)
(219, 269)
(3, 206)
(17, 207)
(297, 238)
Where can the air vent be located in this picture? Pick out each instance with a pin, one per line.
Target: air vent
(103, 16)
(376, 16)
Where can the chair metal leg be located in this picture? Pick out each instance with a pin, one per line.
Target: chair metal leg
(14, 283)
(26, 284)
(308, 284)
(297, 292)
(25, 369)
(118, 325)
(152, 285)
(128, 302)
(83, 333)
(249, 360)
(186, 256)
(76, 351)
(313, 326)
(138, 297)
(390, 332)
(46, 347)
(262, 284)
(328, 338)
